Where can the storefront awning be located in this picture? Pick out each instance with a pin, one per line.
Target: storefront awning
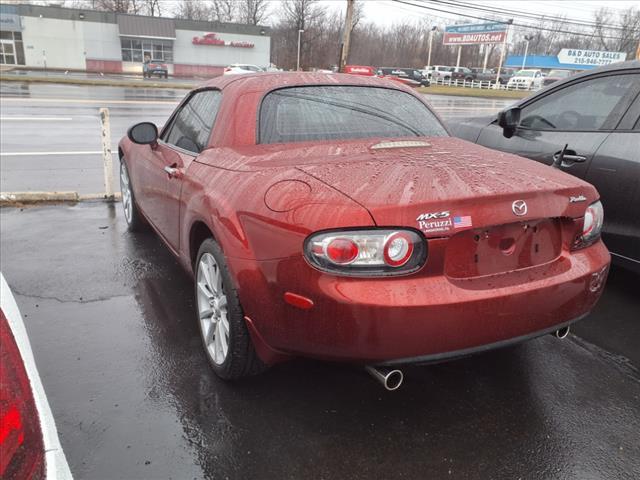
(146, 27)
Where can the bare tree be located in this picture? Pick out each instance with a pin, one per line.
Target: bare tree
(151, 8)
(254, 12)
(226, 11)
(622, 38)
(193, 10)
(116, 6)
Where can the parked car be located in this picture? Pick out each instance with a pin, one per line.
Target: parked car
(364, 70)
(555, 75)
(462, 74)
(242, 68)
(408, 76)
(527, 79)
(156, 67)
(29, 443)
(596, 114)
(438, 72)
(332, 216)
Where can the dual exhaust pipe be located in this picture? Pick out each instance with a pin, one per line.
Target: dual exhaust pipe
(391, 379)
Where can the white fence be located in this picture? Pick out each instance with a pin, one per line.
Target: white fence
(480, 84)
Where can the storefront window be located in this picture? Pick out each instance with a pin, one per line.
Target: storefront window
(11, 48)
(134, 50)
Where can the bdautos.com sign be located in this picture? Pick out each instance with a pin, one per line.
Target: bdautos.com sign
(575, 56)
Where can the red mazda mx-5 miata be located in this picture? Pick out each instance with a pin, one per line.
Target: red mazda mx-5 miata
(332, 216)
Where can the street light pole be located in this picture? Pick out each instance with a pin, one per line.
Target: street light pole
(298, 61)
(527, 39)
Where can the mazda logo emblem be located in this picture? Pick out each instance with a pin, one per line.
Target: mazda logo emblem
(519, 208)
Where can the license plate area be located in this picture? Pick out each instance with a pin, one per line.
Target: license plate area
(503, 248)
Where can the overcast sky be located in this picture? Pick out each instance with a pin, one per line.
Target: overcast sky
(387, 12)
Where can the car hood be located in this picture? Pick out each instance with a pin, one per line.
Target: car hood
(399, 184)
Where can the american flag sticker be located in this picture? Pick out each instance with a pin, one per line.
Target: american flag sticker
(462, 222)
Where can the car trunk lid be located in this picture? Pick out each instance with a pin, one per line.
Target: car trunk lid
(500, 212)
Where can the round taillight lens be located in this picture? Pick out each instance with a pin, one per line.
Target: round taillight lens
(342, 251)
(589, 221)
(398, 249)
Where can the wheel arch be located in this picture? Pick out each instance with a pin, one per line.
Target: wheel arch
(198, 233)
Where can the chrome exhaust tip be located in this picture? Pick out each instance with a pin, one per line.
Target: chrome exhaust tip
(389, 378)
(562, 332)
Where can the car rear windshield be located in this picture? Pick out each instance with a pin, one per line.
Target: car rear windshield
(300, 114)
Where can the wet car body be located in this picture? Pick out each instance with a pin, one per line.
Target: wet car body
(29, 442)
(488, 276)
(157, 67)
(555, 75)
(604, 154)
(409, 76)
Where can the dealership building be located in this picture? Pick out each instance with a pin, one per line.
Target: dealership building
(42, 37)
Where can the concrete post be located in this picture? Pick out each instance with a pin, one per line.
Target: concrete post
(107, 158)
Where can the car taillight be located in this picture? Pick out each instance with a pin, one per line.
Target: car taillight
(21, 443)
(372, 252)
(591, 226)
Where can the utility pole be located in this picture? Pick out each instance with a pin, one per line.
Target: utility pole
(503, 51)
(300, 32)
(346, 35)
(433, 29)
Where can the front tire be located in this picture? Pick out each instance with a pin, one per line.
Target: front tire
(224, 333)
(135, 220)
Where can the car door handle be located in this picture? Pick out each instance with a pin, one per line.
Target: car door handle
(173, 172)
(575, 158)
(569, 158)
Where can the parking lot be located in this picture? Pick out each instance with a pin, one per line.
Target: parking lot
(111, 319)
(51, 133)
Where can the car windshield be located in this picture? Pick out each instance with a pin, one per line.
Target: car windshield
(525, 73)
(301, 114)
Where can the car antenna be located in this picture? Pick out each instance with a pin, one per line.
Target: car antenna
(557, 159)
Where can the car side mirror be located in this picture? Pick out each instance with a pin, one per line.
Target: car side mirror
(145, 133)
(509, 120)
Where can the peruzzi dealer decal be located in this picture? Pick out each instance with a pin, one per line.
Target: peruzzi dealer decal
(212, 39)
(433, 222)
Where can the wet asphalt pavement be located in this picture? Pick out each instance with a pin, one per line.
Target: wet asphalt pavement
(112, 324)
(50, 134)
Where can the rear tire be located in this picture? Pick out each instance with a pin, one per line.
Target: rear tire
(223, 330)
(135, 221)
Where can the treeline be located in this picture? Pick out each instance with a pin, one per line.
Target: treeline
(403, 44)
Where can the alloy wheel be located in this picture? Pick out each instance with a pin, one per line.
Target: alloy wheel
(125, 189)
(212, 309)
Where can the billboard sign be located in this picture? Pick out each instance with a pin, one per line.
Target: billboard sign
(590, 57)
(475, 34)
(10, 22)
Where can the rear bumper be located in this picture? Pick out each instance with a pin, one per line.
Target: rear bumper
(446, 356)
(422, 317)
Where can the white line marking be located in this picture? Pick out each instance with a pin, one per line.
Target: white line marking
(40, 119)
(93, 101)
(28, 154)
